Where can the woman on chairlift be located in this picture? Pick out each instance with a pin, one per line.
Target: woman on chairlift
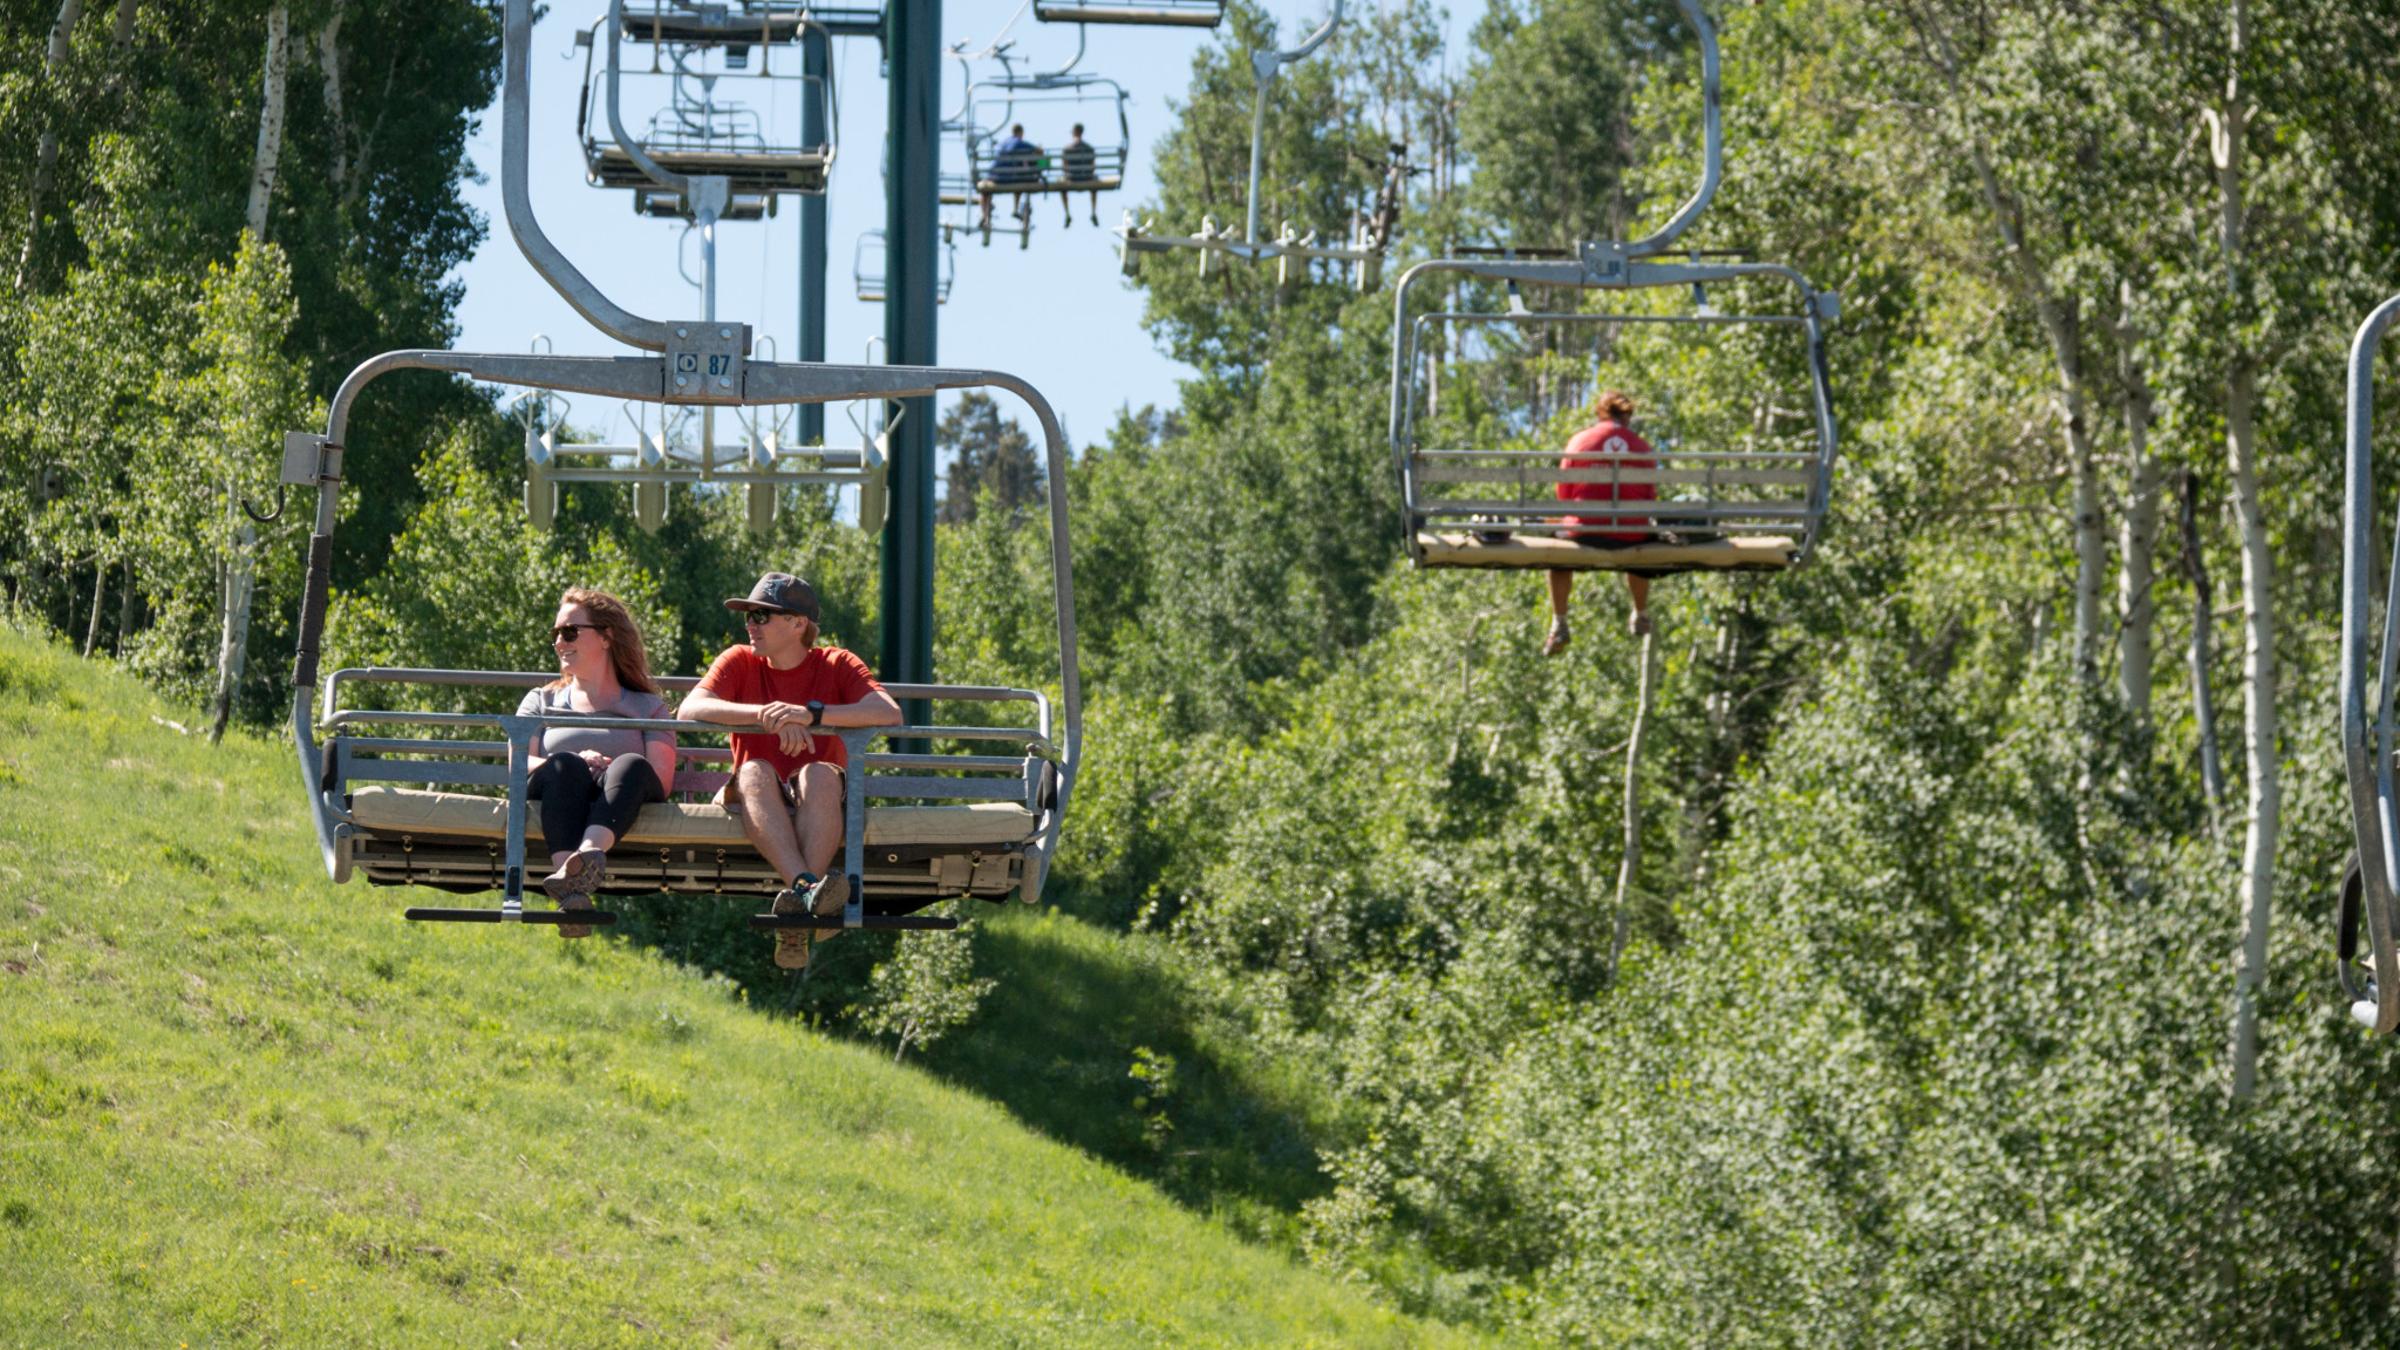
(592, 781)
(1612, 439)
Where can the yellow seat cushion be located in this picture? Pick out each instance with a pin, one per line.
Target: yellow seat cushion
(391, 810)
(1461, 549)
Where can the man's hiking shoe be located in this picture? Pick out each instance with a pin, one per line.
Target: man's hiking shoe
(791, 944)
(831, 897)
(822, 896)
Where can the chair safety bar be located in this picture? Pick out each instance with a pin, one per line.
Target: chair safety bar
(2368, 741)
(1028, 780)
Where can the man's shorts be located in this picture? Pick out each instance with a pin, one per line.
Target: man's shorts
(729, 797)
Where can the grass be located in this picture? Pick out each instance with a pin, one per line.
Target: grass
(241, 1104)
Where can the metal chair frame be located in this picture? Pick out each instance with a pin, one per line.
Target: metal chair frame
(1006, 92)
(1729, 482)
(681, 363)
(1142, 13)
(1363, 252)
(900, 877)
(1613, 265)
(870, 280)
(697, 135)
(2369, 740)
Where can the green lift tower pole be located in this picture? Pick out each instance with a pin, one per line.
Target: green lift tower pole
(913, 49)
(816, 60)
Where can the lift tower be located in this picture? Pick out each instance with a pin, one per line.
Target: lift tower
(913, 52)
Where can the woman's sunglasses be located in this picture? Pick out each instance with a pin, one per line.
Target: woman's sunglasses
(568, 632)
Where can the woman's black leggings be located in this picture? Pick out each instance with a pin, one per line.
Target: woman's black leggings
(573, 799)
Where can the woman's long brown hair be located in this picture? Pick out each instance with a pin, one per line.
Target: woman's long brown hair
(610, 616)
(1614, 404)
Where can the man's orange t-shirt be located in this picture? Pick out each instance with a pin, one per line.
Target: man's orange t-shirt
(827, 674)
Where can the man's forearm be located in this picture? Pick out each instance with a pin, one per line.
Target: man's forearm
(706, 708)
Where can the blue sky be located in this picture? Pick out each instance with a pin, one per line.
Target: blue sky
(1057, 313)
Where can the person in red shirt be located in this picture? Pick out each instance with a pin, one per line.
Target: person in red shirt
(787, 782)
(1609, 442)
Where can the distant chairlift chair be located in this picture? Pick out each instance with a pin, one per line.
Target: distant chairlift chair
(1142, 13)
(2370, 897)
(419, 808)
(991, 105)
(1362, 253)
(1721, 509)
(706, 160)
(700, 133)
(867, 269)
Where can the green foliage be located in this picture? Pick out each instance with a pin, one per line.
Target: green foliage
(238, 1103)
(470, 587)
(926, 989)
(989, 454)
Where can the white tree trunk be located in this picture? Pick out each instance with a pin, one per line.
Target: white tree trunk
(233, 647)
(268, 157)
(2061, 325)
(2259, 730)
(233, 639)
(329, 67)
(2204, 702)
(121, 34)
(45, 155)
(2258, 619)
(2137, 607)
(1631, 861)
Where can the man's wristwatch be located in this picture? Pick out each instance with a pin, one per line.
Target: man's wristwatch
(816, 712)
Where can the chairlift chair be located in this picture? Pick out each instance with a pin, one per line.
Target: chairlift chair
(989, 106)
(1361, 251)
(436, 799)
(700, 133)
(2370, 898)
(1719, 508)
(1141, 13)
(867, 269)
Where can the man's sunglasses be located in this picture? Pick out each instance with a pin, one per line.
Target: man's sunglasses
(568, 632)
(755, 619)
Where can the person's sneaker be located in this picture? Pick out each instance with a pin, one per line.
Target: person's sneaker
(1639, 623)
(791, 944)
(580, 874)
(830, 897)
(1557, 641)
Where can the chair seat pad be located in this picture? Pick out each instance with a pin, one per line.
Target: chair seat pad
(392, 810)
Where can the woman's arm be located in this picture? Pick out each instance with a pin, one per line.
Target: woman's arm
(659, 748)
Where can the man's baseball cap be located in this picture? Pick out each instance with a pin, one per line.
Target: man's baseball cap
(780, 593)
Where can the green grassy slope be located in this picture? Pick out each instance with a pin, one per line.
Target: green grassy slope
(238, 1103)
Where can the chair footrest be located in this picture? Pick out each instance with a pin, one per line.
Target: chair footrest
(551, 916)
(769, 922)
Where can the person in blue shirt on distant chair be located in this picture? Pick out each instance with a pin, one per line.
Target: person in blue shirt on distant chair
(1016, 162)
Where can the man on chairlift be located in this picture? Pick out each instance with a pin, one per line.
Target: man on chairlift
(787, 780)
(1078, 163)
(1016, 162)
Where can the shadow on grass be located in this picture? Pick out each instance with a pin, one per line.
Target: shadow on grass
(1059, 1040)
(1073, 1012)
